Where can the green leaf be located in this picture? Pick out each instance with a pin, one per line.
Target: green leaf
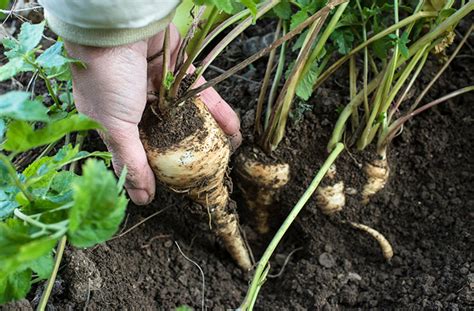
(343, 39)
(304, 88)
(12, 48)
(12, 68)
(283, 10)
(14, 286)
(7, 203)
(30, 35)
(19, 250)
(169, 79)
(16, 105)
(21, 136)
(99, 207)
(298, 18)
(4, 4)
(444, 14)
(43, 266)
(381, 47)
(53, 57)
(250, 4)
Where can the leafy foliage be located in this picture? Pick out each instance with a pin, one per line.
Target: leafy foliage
(47, 200)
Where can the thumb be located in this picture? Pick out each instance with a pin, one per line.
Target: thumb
(127, 150)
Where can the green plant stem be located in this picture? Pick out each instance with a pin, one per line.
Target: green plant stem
(353, 91)
(370, 130)
(276, 127)
(193, 92)
(43, 76)
(382, 93)
(440, 72)
(366, 64)
(162, 105)
(266, 81)
(395, 126)
(276, 80)
(409, 86)
(267, 6)
(56, 226)
(49, 284)
(193, 54)
(369, 41)
(329, 29)
(258, 279)
(13, 175)
(221, 27)
(336, 135)
(420, 55)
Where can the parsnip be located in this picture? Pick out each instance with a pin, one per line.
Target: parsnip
(260, 183)
(377, 173)
(331, 198)
(197, 166)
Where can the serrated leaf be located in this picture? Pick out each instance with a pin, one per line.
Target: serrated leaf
(16, 105)
(99, 207)
(343, 39)
(14, 286)
(21, 136)
(30, 35)
(304, 88)
(12, 68)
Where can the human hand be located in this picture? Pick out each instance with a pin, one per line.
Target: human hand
(113, 90)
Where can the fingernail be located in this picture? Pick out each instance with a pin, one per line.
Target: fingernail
(139, 196)
(235, 141)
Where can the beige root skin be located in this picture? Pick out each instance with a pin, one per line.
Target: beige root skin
(260, 183)
(387, 250)
(331, 199)
(197, 166)
(377, 173)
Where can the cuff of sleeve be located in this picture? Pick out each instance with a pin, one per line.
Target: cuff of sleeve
(105, 37)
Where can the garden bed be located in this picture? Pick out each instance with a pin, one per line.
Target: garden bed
(426, 211)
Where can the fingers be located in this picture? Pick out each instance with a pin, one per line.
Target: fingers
(222, 113)
(127, 150)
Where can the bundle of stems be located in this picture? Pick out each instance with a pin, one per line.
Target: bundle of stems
(391, 84)
(259, 178)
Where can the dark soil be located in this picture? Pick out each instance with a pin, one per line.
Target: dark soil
(426, 211)
(171, 127)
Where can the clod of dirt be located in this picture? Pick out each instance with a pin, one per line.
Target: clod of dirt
(327, 260)
(82, 276)
(19, 305)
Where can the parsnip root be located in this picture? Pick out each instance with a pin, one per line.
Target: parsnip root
(331, 199)
(197, 166)
(260, 183)
(387, 250)
(377, 173)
